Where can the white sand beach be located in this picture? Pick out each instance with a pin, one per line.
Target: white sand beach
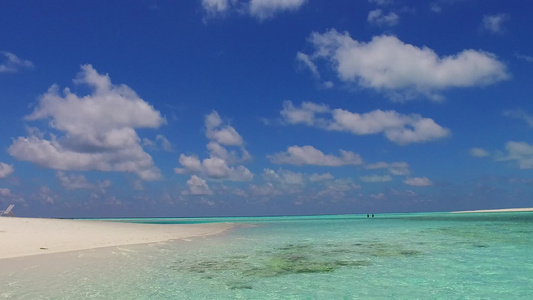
(30, 236)
(493, 210)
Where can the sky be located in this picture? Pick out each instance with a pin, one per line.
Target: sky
(154, 108)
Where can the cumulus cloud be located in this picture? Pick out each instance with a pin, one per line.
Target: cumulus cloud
(305, 114)
(8, 197)
(197, 186)
(376, 178)
(96, 131)
(403, 71)
(10, 63)
(45, 195)
(494, 23)
(526, 58)
(266, 190)
(438, 5)
(213, 167)
(5, 192)
(265, 9)
(284, 176)
(315, 177)
(222, 134)
(306, 61)
(73, 181)
(215, 8)
(308, 155)
(160, 142)
(78, 181)
(5, 170)
(519, 114)
(521, 152)
(379, 18)
(381, 2)
(478, 152)
(259, 9)
(219, 163)
(395, 168)
(398, 128)
(378, 196)
(336, 190)
(418, 181)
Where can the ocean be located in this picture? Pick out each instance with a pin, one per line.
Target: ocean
(390, 256)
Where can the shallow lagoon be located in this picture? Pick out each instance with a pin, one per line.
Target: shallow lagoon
(400, 256)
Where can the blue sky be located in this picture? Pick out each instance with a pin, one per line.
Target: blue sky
(257, 107)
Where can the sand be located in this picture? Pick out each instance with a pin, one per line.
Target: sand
(31, 236)
(494, 210)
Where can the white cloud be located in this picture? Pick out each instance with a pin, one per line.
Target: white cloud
(197, 186)
(336, 190)
(435, 7)
(265, 9)
(401, 70)
(164, 142)
(381, 2)
(395, 168)
(218, 164)
(378, 196)
(137, 185)
(7, 196)
(266, 190)
(304, 114)
(398, 128)
(216, 7)
(525, 57)
(308, 155)
(5, 170)
(74, 182)
(213, 167)
(418, 181)
(46, 195)
(478, 152)
(99, 129)
(225, 135)
(376, 178)
(259, 9)
(519, 114)
(5, 192)
(231, 157)
(494, 23)
(285, 177)
(521, 152)
(161, 142)
(308, 63)
(315, 177)
(377, 17)
(10, 63)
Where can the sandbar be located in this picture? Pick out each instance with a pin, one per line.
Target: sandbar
(493, 210)
(31, 236)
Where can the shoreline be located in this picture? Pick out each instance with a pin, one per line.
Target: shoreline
(493, 210)
(34, 236)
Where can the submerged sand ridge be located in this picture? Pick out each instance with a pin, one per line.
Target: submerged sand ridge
(31, 236)
(494, 210)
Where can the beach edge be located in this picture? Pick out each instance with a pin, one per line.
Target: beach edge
(35, 236)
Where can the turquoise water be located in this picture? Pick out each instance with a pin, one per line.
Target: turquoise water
(393, 256)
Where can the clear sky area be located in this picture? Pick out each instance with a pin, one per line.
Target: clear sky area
(264, 107)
